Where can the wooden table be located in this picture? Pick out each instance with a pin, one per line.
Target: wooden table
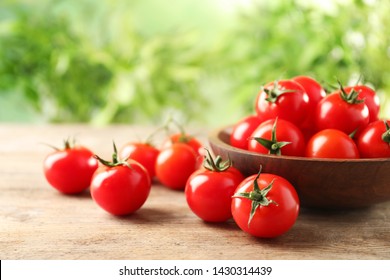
(39, 223)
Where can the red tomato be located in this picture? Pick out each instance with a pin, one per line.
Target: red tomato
(175, 164)
(342, 111)
(315, 92)
(265, 205)
(285, 99)
(242, 130)
(331, 143)
(279, 137)
(374, 141)
(209, 191)
(70, 170)
(144, 153)
(371, 99)
(187, 139)
(120, 187)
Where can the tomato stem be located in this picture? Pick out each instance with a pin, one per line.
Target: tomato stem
(216, 164)
(258, 196)
(274, 93)
(273, 146)
(386, 134)
(352, 97)
(115, 159)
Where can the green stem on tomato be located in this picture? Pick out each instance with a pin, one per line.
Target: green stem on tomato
(217, 164)
(257, 196)
(386, 134)
(273, 146)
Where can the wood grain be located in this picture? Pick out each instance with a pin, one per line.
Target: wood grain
(39, 223)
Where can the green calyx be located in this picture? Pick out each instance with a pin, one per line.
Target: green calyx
(257, 196)
(69, 143)
(352, 97)
(274, 93)
(273, 146)
(115, 159)
(386, 134)
(217, 164)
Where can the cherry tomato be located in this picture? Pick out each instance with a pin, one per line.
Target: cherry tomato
(70, 170)
(374, 141)
(144, 153)
(277, 136)
(315, 92)
(120, 187)
(285, 99)
(342, 111)
(189, 140)
(331, 143)
(209, 191)
(371, 99)
(175, 164)
(242, 130)
(265, 205)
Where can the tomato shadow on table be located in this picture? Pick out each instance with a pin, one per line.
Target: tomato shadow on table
(148, 216)
(316, 228)
(227, 225)
(85, 194)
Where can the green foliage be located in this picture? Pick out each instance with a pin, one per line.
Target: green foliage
(69, 79)
(49, 65)
(108, 61)
(290, 38)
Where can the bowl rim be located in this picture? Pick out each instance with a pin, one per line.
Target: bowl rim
(214, 137)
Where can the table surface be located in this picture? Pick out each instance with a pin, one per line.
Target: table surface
(37, 222)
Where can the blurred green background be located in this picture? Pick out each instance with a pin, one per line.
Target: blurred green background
(122, 61)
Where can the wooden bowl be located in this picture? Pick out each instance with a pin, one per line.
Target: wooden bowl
(320, 183)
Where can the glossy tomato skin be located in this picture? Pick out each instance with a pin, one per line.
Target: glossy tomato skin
(242, 130)
(291, 106)
(285, 131)
(122, 189)
(335, 113)
(187, 139)
(370, 142)
(272, 220)
(70, 170)
(315, 93)
(371, 99)
(143, 153)
(175, 164)
(209, 193)
(332, 143)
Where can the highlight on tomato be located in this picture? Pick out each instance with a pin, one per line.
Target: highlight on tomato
(120, 187)
(209, 191)
(265, 205)
(70, 169)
